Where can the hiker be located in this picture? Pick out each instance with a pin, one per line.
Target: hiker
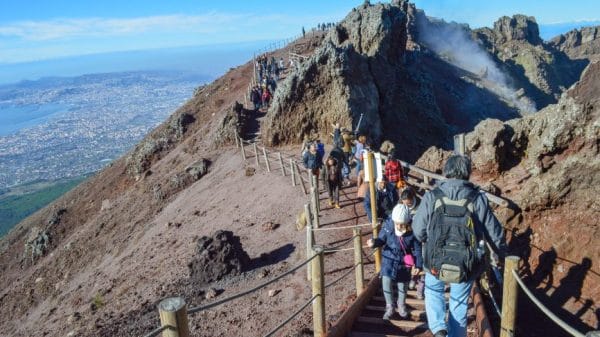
(266, 97)
(393, 171)
(313, 161)
(255, 97)
(334, 180)
(358, 152)
(408, 198)
(386, 197)
(440, 223)
(401, 259)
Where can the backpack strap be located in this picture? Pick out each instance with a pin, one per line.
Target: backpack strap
(439, 196)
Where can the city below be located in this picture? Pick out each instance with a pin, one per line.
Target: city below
(90, 120)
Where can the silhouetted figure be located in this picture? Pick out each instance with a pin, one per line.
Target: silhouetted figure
(520, 244)
(571, 285)
(543, 272)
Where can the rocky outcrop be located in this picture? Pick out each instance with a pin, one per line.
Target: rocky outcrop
(581, 43)
(548, 165)
(543, 71)
(217, 257)
(517, 28)
(370, 68)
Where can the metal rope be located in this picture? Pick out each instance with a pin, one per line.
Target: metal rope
(544, 309)
(341, 227)
(157, 331)
(291, 317)
(346, 273)
(328, 249)
(244, 293)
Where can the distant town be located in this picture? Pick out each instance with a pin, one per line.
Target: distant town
(105, 115)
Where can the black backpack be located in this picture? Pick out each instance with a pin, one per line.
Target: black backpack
(451, 247)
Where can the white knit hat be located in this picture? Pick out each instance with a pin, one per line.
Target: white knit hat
(401, 214)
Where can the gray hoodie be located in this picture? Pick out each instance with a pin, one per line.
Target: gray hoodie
(486, 224)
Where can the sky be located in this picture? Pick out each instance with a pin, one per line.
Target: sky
(38, 30)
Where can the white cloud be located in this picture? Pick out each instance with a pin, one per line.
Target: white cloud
(57, 29)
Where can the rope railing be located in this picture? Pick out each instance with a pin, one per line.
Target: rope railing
(572, 331)
(348, 272)
(157, 331)
(292, 316)
(249, 291)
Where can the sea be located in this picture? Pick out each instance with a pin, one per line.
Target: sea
(16, 117)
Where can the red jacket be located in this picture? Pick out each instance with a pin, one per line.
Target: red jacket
(393, 171)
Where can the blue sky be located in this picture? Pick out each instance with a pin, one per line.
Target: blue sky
(42, 29)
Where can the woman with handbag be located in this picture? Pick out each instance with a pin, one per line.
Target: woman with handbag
(401, 258)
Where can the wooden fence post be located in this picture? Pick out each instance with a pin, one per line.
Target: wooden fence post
(509, 297)
(318, 286)
(281, 163)
(358, 261)
(293, 172)
(237, 138)
(374, 225)
(310, 239)
(314, 200)
(315, 185)
(299, 176)
(426, 180)
(256, 154)
(266, 159)
(173, 314)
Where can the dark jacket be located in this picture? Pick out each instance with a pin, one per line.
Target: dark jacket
(334, 172)
(386, 200)
(486, 225)
(312, 161)
(392, 264)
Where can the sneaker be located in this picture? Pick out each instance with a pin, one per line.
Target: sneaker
(402, 311)
(337, 206)
(330, 203)
(389, 311)
(420, 296)
(412, 285)
(441, 333)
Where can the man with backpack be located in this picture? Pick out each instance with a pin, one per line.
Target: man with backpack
(453, 221)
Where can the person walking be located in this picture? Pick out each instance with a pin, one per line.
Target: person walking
(401, 259)
(386, 198)
(313, 161)
(452, 222)
(334, 180)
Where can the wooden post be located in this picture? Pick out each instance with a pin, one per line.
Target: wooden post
(266, 159)
(310, 239)
(256, 154)
(237, 138)
(318, 289)
(281, 163)
(173, 314)
(358, 262)
(314, 199)
(293, 172)
(509, 297)
(462, 145)
(315, 186)
(374, 225)
(301, 181)
(242, 148)
(426, 180)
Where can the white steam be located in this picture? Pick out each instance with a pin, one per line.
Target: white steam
(452, 42)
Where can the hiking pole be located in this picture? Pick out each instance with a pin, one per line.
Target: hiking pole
(358, 125)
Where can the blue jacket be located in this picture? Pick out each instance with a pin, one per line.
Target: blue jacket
(385, 201)
(312, 161)
(392, 264)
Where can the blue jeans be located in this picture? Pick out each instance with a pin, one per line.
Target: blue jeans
(435, 306)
